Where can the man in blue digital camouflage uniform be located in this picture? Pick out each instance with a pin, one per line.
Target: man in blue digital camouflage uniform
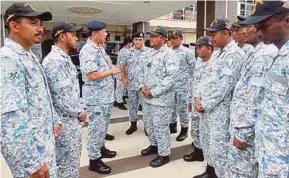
(27, 113)
(98, 94)
(63, 82)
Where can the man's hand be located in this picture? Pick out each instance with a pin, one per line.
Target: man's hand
(143, 90)
(146, 92)
(115, 69)
(83, 116)
(57, 130)
(43, 172)
(149, 94)
(198, 105)
(239, 144)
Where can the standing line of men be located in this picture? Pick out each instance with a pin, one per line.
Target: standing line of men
(248, 136)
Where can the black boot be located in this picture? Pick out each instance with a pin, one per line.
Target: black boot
(109, 137)
(122, 106)
(149, 151)
(115, 104)
(183, 134)
(159, 161)
(173, 128)
(209, 173)
(132, 128)
(139, 107)
(124, 101)
(196, 155)
(106, 153)
(99, 167)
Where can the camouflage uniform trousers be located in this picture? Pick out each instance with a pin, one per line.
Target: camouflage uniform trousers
(242, 162)
(98, 123)
(181, 108)
(195, 131)
(135, 99)
(156, 121)
(204, 136)
(214, 136)
(68, 148)
(273, 163)
(119, 90)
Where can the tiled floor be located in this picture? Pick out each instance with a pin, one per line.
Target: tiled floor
(128, 163)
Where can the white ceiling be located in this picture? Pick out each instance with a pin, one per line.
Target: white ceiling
(113, 12)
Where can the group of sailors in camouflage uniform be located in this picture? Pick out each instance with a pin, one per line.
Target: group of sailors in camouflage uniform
(236, 94)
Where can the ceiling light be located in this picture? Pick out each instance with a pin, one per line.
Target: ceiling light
(84, 10)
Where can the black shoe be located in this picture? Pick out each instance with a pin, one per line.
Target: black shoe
(132, 128)
(106, 153)
(139, 107)
(124, 101)
(196, 155)
(109, 137)
(122, 106)
(204, 175)
(115, 104)
(149, 151)
(209, 173)
(160, 161)
(99, 167)
(183, 134)
(173, 128)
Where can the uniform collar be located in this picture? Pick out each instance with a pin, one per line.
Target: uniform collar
(16, 46)
(229, 45)
(284, 50)
(89, 41)
(163, 48)
(179, 48)
(259, 46)
(133, 48)
(58, 50)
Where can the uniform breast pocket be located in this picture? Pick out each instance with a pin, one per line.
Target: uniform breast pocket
(158, 67)
(33, 78)
(277, 84)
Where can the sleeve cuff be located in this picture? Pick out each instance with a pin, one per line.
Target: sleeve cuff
(33, 169)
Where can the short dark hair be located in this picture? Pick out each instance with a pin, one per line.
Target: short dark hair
(127, 40)
(148, 43)
(89, 33)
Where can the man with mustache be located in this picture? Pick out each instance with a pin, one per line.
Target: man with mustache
(63, 82)
(27, 113)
